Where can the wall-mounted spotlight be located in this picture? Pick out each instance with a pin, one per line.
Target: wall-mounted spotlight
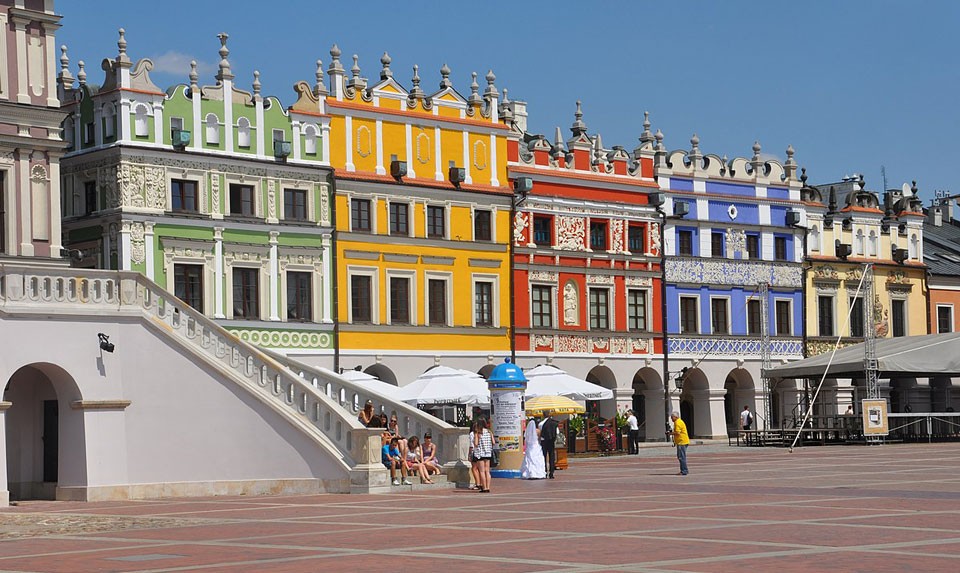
(681, 378)
(681, 208)
(398, 169)
(105, 343)
(457, 175)
(843, 249)
(899, 255)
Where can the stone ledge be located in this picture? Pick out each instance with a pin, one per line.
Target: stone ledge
(100, 404)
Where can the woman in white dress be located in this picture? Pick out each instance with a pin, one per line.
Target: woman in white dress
(533, 466)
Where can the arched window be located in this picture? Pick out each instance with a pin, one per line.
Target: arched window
(141, 125)
(814, 240)
(110, 120)
(872, 244)
(310, 140)
(858, 243)
(213, 129)
(243, 132)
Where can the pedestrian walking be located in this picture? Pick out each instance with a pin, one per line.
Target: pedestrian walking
(681, 440)
(633, 433)
(548, 441)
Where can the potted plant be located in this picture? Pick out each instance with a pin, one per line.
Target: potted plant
(606, 438)
(575, 440)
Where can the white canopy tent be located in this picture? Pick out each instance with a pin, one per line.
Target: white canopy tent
(546, 380)
(444, 385)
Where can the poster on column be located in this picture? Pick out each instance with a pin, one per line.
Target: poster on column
(507, 406)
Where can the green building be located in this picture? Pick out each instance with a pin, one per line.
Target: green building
(220, 195)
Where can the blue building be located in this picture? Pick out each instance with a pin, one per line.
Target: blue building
(733, 230)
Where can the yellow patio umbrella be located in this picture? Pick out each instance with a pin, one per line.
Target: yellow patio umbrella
(553, 405)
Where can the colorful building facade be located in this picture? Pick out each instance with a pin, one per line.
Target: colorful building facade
(587, 262)
(422, 218)
(849, 228)
(734, 277)
(218, 194)
(30, 146)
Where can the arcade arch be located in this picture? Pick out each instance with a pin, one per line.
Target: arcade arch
(695, 400)
(605, 377)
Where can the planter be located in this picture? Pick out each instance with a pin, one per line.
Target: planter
(625, 443)
(562, 463)
(580, 444)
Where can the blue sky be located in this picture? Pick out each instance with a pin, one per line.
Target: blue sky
(852, 85)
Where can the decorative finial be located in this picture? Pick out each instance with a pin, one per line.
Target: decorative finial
(803, 176)
(474, 90)
(832, 204)
(194, 76)
(416, 91)
(646, 136)
(65, 76)
(790, 152)
(756, 149)
(385, 61)
(82, 74)
(335, 65)
(319, 87)
(224, 73)
(913, 188)
(505, 99)
(445, 77)
(122, 42)
(355, 69)
(578, 128)
(256, 82)
(658, 136)
(861, 183)
(491, 90)
(558, 138)
(695, 142)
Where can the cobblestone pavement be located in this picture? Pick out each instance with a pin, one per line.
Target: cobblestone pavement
(847, 508)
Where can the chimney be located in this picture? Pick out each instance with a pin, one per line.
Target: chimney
(938, 215)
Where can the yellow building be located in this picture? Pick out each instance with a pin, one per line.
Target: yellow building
(422, 219)
(849, 231)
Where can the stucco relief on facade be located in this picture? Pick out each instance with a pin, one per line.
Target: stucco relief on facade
(736, 241)
(572, 344)
(825, 272)
(156, 187)
(214, 192)
(130, 178)
(571, 304)
(600, 279)
(284, 338)
(616, 236)
(543, 277)
(137, 244)
(321, 190)
(271, 199)
(638, 281)
(727, 272)
(654, 239)
(520, 225)
(571, 233)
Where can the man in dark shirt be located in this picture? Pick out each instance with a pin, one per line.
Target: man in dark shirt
(548, 441)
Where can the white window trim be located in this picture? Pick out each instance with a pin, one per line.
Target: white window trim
(372, 199)
(412, 295)
(447, 278)
(256, 183)
(473, 220)
(298, 186)
(446, 220)
(109, 115)
(244, 125)
(696, 299)
(554, 291)
(906, 313)
(494, 304)
(726, 300)
(646, 305)
(136, 115)
(205, 261)
(315, 286)
(789, 315)
(206, 129)
(411, 205)
(872, 244)
(201, 180)
(833, 305)
(949, 307)
(611, 303)
(263, 280)
(374, 273)
(310, 132)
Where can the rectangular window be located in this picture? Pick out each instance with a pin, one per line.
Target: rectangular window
(399, 300)
(360, 215)
(898, 317)
(598, 236)
(754, 317)
(599, 308)
(716, 244)
(482, 230)
(543, 230)
(944, 319)
(856, 317)
(825, 315)
(299, 296)
(688, 315)
(541, 305)
(361, 299)
(89, 197)
(718, 316)
(436, 226)
(183, 195)
(246, 293)
(483, 305)
(637, 309)
(437, 299)
(295, 204)
(188, 285)
(241, 200)
(398, 219)
(685, 242)
(782, 315)
(753, 246)
(635, 238)
(88, 132)
(780, 248)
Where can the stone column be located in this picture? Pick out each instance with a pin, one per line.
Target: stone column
(4, 488)
(713, 422)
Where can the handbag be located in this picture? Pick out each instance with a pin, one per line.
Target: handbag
(495, 458)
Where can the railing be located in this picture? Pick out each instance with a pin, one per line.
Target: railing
(352, 396)
(38, 291)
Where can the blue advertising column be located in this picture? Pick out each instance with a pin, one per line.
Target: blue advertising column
(507, 386)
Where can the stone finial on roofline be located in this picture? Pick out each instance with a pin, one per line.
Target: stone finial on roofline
(491, 90)
(122, 47)
(558, 148)
(646, 136)
(320, 87)
(658, 136)
(385, 71)
(474, 90)
(256, 83)
(82, 73)
(225, 73)
(416, 92)
(194, 76)
(578, 128)
(356, 81)
(66, 77)
(790, 166)
(445, 77)
(335, 65)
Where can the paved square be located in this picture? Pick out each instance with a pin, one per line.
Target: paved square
(843, 508)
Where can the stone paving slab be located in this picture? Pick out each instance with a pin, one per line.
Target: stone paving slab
(880, 509)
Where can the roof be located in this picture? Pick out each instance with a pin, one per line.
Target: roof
(941, 248)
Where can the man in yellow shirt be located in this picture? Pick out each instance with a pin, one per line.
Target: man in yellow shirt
(681, 440)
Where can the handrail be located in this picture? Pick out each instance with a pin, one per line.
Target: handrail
(21, 287)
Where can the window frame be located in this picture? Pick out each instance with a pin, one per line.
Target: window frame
(536, 306)
(638, 321)
(637, 238)
(949, 309)
(302, 193)
(599, 311)
(180, 278)
(490, 318)
(900, 303)
(720, 303)
(717, 244)
(410, 278)
(436, 216)
(857, 318)
(783, 324)
(539, 219)
(828, 321)
(295, 286)
(780, 248)
(685, 240)
(395, 222)
(754, 316)
(368, 306)
(599, 230)
(752, 246)
(361, 215)
(482, 231)
(176, 195)
(431, 278)
(91, 197)
(241, 187)
(244, 289)
(685, 314)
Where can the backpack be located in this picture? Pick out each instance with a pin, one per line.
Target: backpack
(549, 431)
(749, 419)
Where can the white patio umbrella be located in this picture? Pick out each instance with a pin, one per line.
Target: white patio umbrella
(445, 385)
(545, 380)
(373, 383)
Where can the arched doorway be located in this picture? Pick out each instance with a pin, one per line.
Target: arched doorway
(603, 376)
(648, 404)
(695, 401)
(44, 436)
(740, 392)
(383, 373)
